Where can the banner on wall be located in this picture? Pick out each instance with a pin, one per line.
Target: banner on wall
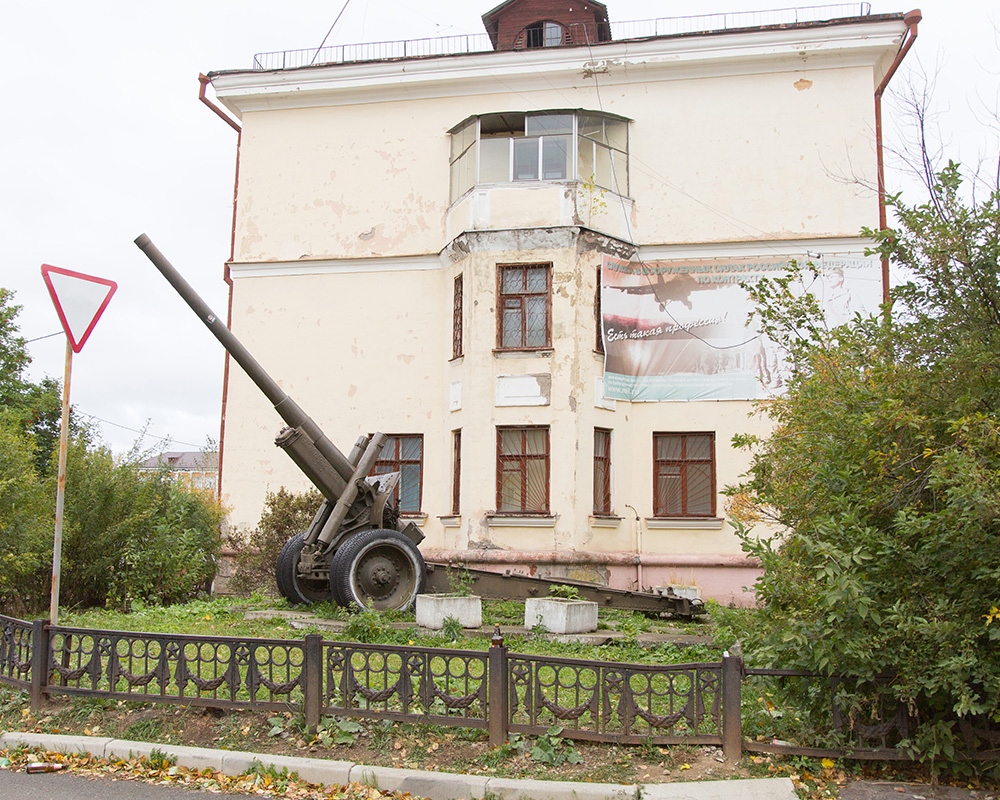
(677, 329)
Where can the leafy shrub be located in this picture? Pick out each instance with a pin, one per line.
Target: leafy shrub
(285, 514)
(884, 472)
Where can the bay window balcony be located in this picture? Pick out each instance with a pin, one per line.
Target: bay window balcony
(583, 146)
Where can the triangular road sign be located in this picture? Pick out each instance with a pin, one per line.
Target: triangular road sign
(79, 299)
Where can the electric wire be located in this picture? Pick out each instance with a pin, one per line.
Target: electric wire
(143, 434)
(321, 44)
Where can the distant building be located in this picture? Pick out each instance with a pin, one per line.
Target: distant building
(191, 468)
(518, 255)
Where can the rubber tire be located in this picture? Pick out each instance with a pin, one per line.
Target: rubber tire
(392, 551)
(285, 575)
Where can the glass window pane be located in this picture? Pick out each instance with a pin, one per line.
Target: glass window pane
(592, 127)
(585, 159)
(600, 437)
(668, 447)
(526, 159)
(513, 280)
(555, 158)
(668, 491)
(699, 447)
(454, 180)
(602, 170)
(469, 161)
(553, 34)
(699, 489)
(510, 335)
(409, 448)
(505, 125)
(538, 279)
(409, 488)
(461, 139)
(536, 441)
(548, 123)
(537, 483)
(510, 443)
(620, 161)
(536, 327)
(494, 160)
(617, 133)
(510, 487)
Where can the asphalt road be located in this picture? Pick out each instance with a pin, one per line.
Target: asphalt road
(65, 786)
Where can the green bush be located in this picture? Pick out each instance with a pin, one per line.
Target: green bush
(883, 470)
(285, 514)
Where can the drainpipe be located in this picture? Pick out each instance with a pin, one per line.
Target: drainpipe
(204, 80)
(911, 21)
(638, 549)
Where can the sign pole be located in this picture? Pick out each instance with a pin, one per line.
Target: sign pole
(61, 488)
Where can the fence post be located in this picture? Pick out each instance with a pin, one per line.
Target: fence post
(498, 688)
(312, 686)
(732, 725)
(39, 663)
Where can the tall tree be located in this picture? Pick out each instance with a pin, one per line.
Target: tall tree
(883, 471)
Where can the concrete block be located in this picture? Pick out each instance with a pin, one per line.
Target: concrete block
(434, 609)
(508, 789)
(753, 789)
(56, 743)
(560, 615)
(191, 757)
(314, 770)
(432, 785)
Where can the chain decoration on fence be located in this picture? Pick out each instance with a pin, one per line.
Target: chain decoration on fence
(627, 703)
(407, 683)
(220, 671)
(15, 651)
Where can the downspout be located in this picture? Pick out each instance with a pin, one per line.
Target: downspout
(204, 80)
(911, 21)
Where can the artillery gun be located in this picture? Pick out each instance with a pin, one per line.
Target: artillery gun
(357, 550)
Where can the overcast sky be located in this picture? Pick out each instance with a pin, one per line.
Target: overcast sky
(103, 138)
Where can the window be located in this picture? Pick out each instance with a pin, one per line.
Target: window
(683, 474)
(602, 471)
(540, 146)
(456, 470)
(543, 34)
(523, 470)
(456, 322)
(524, 307)
(404, 454)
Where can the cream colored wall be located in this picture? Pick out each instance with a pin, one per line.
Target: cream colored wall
(722, 158)
(359, 352)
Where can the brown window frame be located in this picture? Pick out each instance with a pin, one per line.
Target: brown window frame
(602, 474)
(456, 474)
(503, 298)
(524, 458)
(683, 464)
(456, 322)
(392, 461)
(599, 315)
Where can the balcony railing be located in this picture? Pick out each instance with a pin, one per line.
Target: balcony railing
(619, 31)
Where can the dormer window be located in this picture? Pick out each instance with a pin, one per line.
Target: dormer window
(540, 146)
(544, 34)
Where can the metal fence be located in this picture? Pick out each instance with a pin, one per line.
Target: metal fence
(715, 703)
(618, 31)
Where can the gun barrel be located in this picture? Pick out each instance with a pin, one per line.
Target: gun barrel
(287, 408)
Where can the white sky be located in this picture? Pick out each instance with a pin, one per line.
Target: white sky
(103, 138)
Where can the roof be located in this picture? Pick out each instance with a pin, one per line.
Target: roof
(182, 461)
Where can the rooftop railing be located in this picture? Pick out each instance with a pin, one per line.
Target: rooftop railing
(619, 31)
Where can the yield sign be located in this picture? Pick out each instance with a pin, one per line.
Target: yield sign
(79, 299)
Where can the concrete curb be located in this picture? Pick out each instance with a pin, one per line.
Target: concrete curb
(422, 784)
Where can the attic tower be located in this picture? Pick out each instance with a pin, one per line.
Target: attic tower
(524, 24)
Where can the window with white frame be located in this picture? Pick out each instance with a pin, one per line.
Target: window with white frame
(585, 146)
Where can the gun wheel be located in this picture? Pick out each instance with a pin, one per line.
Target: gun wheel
(291, 586)
(377, 569)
